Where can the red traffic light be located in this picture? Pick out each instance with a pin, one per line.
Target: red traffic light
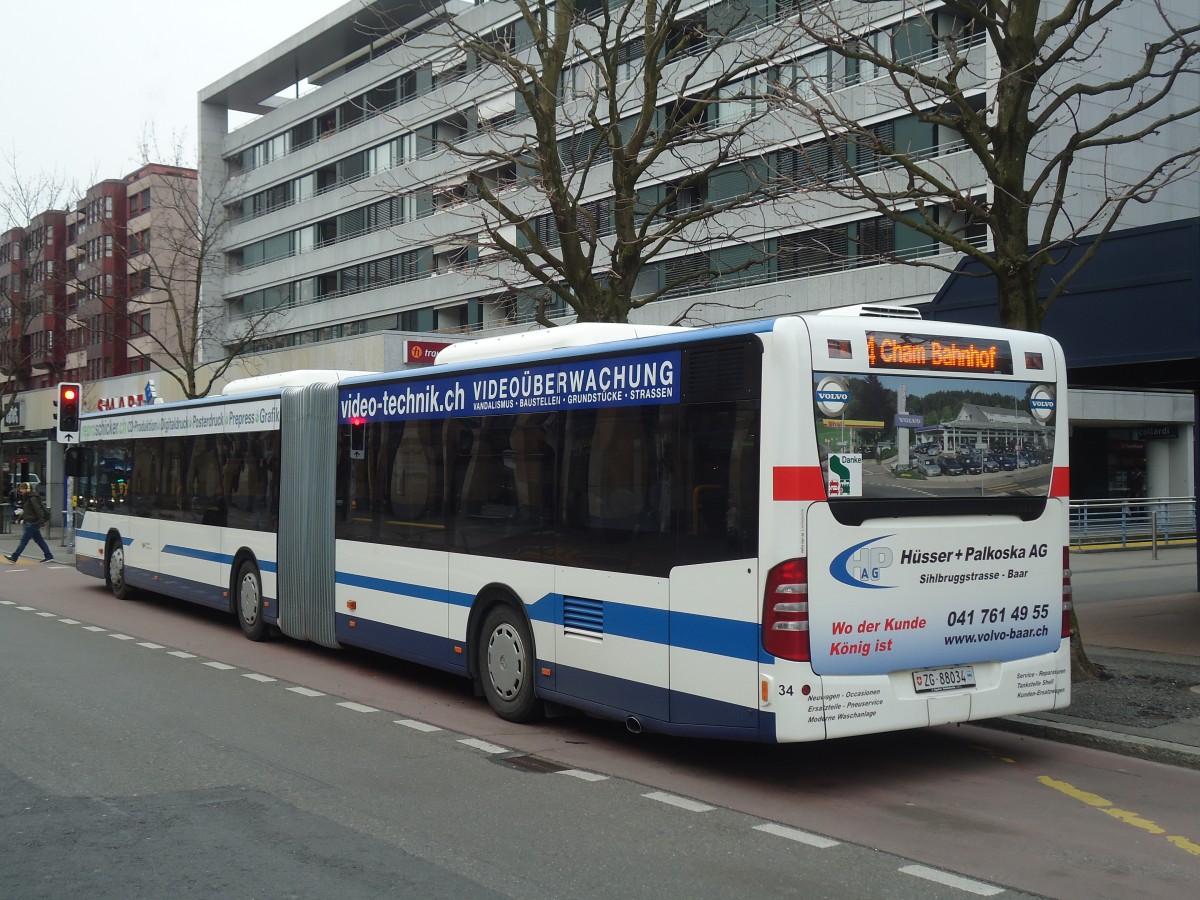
(68, 393)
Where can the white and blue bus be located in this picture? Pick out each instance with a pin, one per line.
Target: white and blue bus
(785, 530)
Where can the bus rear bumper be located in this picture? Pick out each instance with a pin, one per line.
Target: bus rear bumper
(843, 706)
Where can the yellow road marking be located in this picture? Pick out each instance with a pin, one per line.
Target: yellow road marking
(1123, 815)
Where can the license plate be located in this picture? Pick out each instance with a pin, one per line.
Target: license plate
(947, 679)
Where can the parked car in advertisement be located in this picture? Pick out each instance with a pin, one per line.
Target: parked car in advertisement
(950, 465)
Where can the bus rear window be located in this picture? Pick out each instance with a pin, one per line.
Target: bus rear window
(921, 437)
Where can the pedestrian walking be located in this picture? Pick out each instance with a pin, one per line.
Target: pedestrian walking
(34, 515)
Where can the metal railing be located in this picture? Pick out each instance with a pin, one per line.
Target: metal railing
(1153, 520)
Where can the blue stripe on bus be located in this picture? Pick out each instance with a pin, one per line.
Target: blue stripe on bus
(224, 559)
(100, 536)
(706, 634)
(402, 643)
(406, 589)
(195, 553)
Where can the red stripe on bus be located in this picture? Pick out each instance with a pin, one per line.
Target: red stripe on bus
(1060, 482)
(798, 483)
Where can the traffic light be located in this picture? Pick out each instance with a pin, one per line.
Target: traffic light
(69, 396)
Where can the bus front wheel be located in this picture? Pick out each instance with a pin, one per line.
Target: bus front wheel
(114, 569)
(506, 665)
(248, 600)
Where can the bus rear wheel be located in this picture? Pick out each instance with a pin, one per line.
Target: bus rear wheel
(114, 569)
(506, 665)
(248, 601)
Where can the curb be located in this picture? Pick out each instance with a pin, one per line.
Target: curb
(1166, 752)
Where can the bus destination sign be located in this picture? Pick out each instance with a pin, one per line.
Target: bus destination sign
(938, 353)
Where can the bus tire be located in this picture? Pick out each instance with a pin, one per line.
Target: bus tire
(114, 569)
(506, 665)
(248, 601)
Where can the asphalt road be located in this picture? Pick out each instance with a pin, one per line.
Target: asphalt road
(147, 750)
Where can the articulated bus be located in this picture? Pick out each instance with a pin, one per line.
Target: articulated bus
(786, 530)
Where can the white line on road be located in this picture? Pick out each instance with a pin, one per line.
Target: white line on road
(48, 615)
(220, 666)
(583, 775)
(483, 745)
(955, 881)
(94, 628)
(121, 637)
(150, 645)
(417, 726)
(182, 654)
(794, 834)
(305, 692)
(28, 608)
(254, 676)
(357, 707)
(69, 621)
(8, 602)
(681, 802)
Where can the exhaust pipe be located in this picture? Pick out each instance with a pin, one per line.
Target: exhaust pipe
(634, 726)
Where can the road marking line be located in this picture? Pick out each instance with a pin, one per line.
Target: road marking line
(681, 802)
(305, 692)
(1123, 815)
(150, 645)
(583, 775)
(121, 637)
(94, 628)
(416, 725)
(357, 707)
(69, 621)
(182, 654)
(221, 666)
(483, 745)
(795, 834)
(28, 608)
(8, 602)
(955, 881)
(48, 615)
(254, 676)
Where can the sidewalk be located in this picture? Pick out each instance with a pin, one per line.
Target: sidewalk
(32, 554)
(1147, 700)
(1146, 703)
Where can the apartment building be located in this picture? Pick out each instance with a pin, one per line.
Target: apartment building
(88, 294)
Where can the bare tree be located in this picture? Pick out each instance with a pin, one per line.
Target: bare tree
(27, 205)
(1065, 128)
(172, 250)
(614, 137)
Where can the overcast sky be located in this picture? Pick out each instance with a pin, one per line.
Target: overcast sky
(84, 80)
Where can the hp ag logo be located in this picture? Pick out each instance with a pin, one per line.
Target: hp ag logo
(863, 566)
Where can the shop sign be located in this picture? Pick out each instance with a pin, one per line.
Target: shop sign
(422, 353)
(1157, 432)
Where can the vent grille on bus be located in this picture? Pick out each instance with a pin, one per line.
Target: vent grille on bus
(877, 311)
(581, 614)
(725, 370)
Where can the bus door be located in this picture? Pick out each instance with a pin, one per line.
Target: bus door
(612, 637)
(192, 513)
(714, 644)
(714, 595)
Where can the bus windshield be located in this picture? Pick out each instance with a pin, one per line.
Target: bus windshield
(915, 436)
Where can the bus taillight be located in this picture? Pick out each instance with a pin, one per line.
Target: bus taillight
(785, 611)
(1068, 602)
